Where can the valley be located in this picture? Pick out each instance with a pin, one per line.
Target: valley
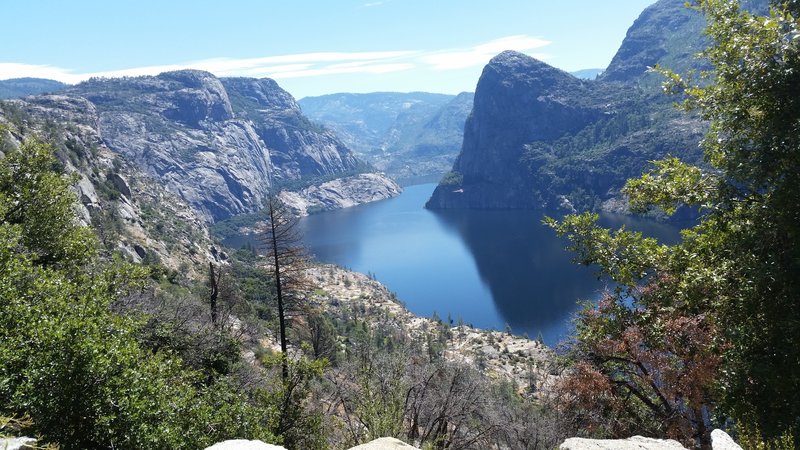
(194, 255)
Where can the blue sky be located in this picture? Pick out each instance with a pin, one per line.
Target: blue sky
(311, 47)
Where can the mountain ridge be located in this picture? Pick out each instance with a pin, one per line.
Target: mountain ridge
(406, 135)
(222, 144)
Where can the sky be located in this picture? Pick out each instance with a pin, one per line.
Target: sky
(310, 47)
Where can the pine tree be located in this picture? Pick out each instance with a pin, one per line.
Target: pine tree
(281, 239)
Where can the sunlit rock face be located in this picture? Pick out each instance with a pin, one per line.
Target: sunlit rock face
(220, 144)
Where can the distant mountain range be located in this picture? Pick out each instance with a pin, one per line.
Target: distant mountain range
(539, 137)
(407, 135)
(587, 74)
(23, 87)
(404, 134)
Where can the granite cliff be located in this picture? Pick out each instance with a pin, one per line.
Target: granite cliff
(541, 138)
(220, 144)
(297, 147)
(132, 212)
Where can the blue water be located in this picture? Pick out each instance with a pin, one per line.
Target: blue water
(487, 268)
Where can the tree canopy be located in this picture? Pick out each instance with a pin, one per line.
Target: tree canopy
(66, 360)
(731, 286)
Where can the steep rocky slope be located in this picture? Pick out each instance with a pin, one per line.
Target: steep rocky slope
(180, 127)
(518, 100)
(297, 147)
(221, 145)
(541, 138)
(406, 135)
(666, 33)
(133, 213)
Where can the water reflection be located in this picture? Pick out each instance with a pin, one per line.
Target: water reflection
(533, 283)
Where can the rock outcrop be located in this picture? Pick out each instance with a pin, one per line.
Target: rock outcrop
(243, 444)
(297, 147)
(518, 100)
(341, 193)
(665, 33)
(720, 440)
(18, 443)
(180, 128)
(385, 444)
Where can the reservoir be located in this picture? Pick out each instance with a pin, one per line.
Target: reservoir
(491, 269)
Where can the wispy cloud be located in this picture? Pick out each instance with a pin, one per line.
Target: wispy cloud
(307, 64)
(481, 54)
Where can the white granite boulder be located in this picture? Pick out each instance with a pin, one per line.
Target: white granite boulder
(634, 443)
(243, 444)
(386, 443)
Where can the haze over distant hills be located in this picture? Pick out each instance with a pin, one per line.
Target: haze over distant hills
(22, 87)
(587, 74)
(404, 134)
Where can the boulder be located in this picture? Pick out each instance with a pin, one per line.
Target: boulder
(721, 441)
(87, 193)
(140, 251)
(243, 444)
(634, 443)
(386, 443)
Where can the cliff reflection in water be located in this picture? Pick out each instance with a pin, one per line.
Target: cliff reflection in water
(489, 268)
(533, 282)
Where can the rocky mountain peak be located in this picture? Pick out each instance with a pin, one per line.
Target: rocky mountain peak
(197, 96)
(539, 137)
(527, 68)
(666, 33)
(518, 88)
(219, 144)
(262, 92)
(518, 100)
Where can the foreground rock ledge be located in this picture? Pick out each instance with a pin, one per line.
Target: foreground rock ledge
(634, 443)
(20, 443)
(385, 444)
(719, 441)
(243, 444)
(377, 444)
